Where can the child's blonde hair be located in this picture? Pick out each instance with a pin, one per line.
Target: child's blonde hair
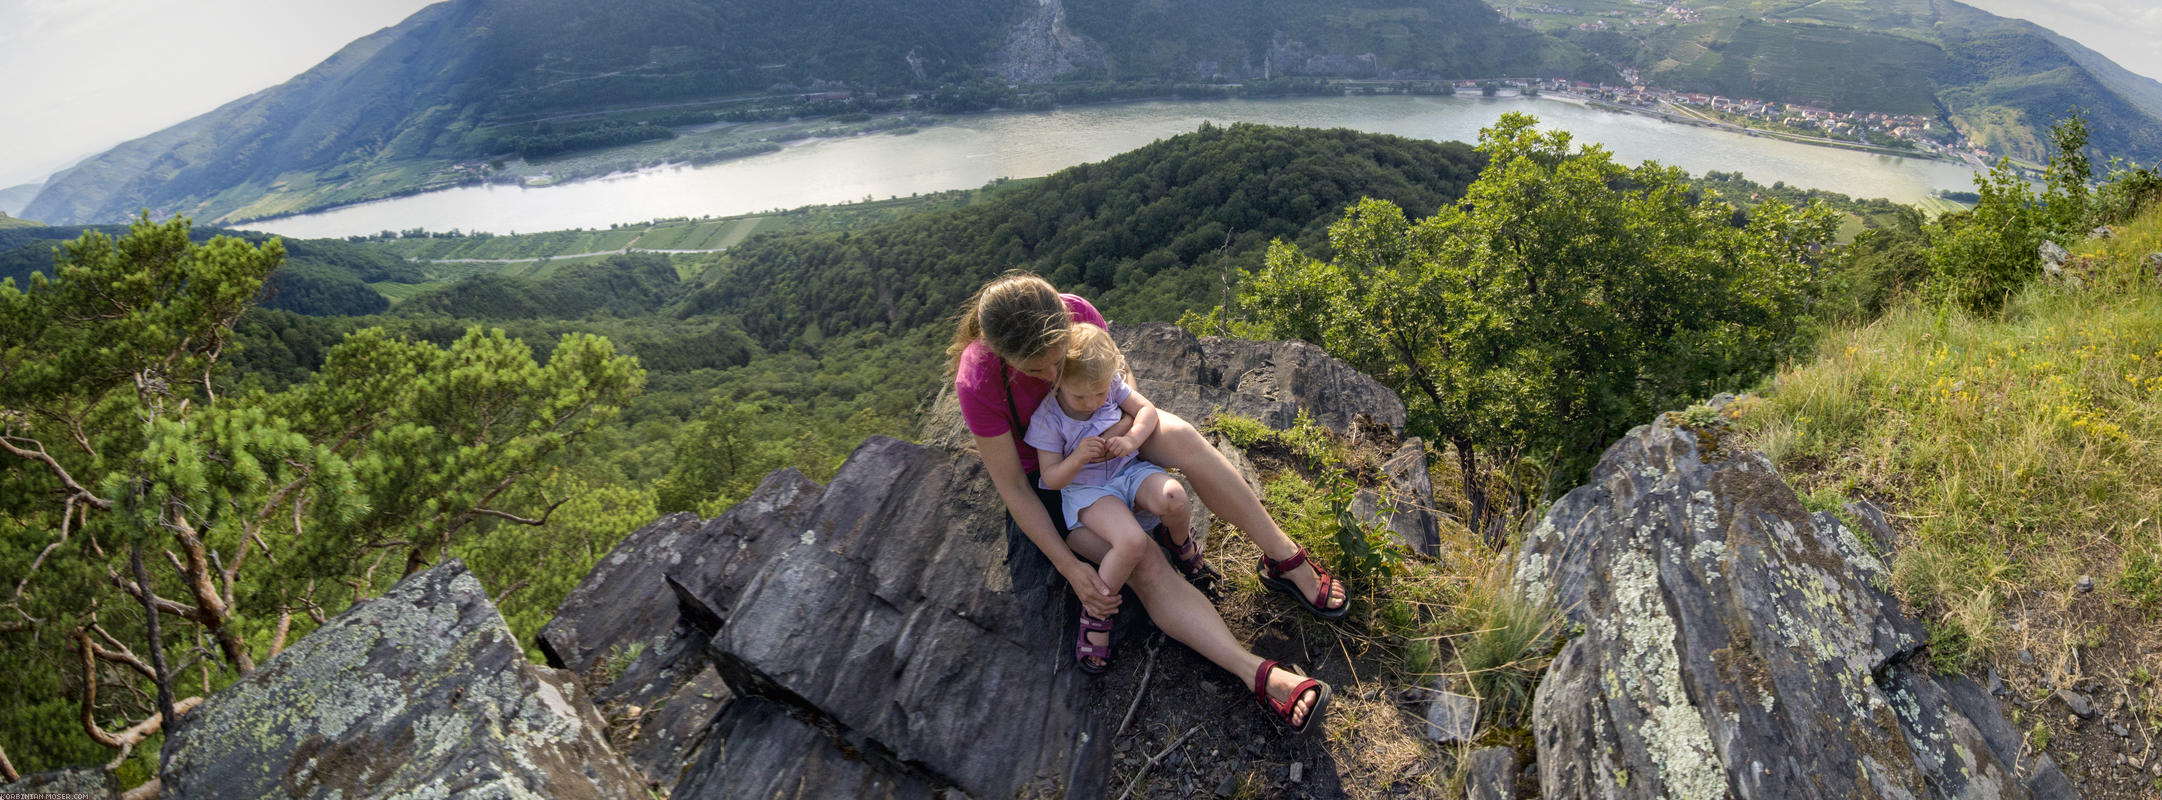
(1091, 356)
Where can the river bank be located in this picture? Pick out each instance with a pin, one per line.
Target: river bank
(971, 150)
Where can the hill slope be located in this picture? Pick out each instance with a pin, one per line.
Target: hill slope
(1999, 81)
(1146, 234)
(399, 110)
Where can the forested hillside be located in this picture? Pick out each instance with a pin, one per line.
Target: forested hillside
(319, 277)
(1148, 233)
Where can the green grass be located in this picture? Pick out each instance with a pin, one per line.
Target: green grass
(2020, 452)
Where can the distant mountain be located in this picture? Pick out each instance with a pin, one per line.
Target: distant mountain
(394, 111)
(14, 198)
(2002, 82)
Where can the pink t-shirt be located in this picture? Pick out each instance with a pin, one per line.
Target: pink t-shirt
(982, 381)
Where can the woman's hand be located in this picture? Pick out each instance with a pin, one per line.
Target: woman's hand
(1096, 596)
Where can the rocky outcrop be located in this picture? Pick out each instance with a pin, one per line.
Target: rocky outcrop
(78, 782)
(1200, 378)
(862, 628)
(899, 610)
(1734, 644)
(1041, 48)
(882, 636)
(419, 693)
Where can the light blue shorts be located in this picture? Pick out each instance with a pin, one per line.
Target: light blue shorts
(1123, 486)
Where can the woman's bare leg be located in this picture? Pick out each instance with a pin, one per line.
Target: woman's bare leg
(1177, 444)
(1184, 614)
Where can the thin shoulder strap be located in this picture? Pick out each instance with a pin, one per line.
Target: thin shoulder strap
(1020, 426)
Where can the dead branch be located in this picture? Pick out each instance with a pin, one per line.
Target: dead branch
(189, 613)
(135, 734)
(123, 655)
(522, 520)
(7, 768)
(67, 513)
(285, 626)
(508, 592)
(215, 612)
(147, 791)
(75, 490)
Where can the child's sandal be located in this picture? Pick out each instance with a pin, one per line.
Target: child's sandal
(1186, 557)
(1282, 710)
(1272, 576)
(1085, 650)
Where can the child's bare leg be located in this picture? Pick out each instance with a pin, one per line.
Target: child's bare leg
(1110, 519)
(1164, 497)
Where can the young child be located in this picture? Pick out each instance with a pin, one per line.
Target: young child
(1103, 485)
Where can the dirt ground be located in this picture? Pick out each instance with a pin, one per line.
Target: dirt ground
(1196, 731)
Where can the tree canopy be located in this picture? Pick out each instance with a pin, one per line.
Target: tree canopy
(142, 492)
(1565, 298)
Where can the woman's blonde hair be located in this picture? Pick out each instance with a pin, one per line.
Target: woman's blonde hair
(1091, 356)
(1018, 315)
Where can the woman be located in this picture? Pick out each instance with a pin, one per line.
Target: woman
(1007, 351)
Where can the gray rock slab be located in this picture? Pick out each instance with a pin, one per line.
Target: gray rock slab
(1405, 503)
(772, 753)
(1735, 644)
(898, 610)
(2046, 782)
(421, 692)
(1451, 717)
(1492, 774)
(626, 632)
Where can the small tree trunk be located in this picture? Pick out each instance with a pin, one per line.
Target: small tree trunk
(1467, 465)
(163, 678)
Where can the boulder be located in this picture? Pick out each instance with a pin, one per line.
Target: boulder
(1492, 775)
(420, 692)
(898, 612)
(623, 629)
(1405, 504)
(1734, 644)
(2053, 257)
(1450, 717)
(2154, 264)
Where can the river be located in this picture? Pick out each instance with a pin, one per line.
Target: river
(969, 151)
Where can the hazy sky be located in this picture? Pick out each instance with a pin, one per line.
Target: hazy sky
(2128, 31)
(79, 76)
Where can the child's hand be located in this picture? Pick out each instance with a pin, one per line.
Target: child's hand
(1090, 450)
(1116, 446)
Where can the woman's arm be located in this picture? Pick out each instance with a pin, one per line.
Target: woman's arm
(1004, 464)
(1143, 413)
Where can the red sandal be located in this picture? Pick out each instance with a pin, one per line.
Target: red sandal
(1085, 650)
(1273, 577)
(1186, 557)
(1283, 709)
